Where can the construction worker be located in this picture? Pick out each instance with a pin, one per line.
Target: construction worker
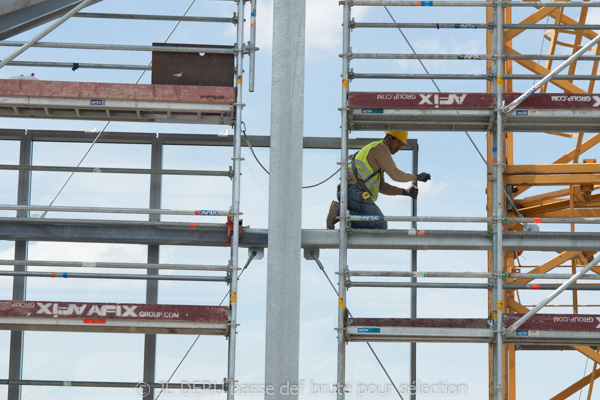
(365, 181)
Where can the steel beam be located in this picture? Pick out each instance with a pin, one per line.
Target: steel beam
(138, 233)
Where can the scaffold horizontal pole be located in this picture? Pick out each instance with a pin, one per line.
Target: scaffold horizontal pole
(469, 76)
(114, 210)
(155, 17)
(121, 47)
(386, 56)
(77, 275)
(441, 3)
(98, 170)
(473, 275)
(70, 65)
(578, 220)
(463, 25)
(95, 222)
(440, 285)
(166, 385)
(89, 264)
(420, 76)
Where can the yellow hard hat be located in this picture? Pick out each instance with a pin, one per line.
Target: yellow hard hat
(400, 135)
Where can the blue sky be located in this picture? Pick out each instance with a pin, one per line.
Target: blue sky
(457, 189)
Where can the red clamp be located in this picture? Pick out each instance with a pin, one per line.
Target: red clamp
(230, 230)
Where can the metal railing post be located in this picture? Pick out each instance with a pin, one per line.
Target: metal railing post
(343, 248)
(235, 207)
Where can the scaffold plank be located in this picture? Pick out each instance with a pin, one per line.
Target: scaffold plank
(113, 317)
(472, 111)
(116, 101)
(541, 329)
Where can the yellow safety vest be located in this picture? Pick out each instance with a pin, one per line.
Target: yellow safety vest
(365, 172)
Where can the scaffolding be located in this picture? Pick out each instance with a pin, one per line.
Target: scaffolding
(509, 325)
(212, 96)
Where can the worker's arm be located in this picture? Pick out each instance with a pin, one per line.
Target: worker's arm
(383, 158)
(390, 190)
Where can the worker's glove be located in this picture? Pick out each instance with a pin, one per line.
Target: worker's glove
(412, 192)
(423, 177)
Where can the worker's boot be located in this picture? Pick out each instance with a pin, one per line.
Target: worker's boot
(334, 209)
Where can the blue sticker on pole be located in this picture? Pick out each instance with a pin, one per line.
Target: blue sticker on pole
(371, 111)
(368, 330)
(522, 333)
(97, 102)
(522, 112)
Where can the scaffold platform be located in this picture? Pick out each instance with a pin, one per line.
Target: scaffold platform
(541, 329)
(556, 112)
(113, 317)
(26, 98)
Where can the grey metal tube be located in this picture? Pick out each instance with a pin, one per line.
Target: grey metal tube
(72, 264)
(46, 31)
(111, 222)
(419, 285)
(174, 386)
(343, 247)
(115, 210)
(420, 76)
(414, 268)
(472, 275)
(497, 206)
(486, 286)
(71, 65)
(154, 17)
(551, 75)
(253, 49)
(67, 275)
(98, 170)
(469, 3)
(581, 220)
(388, 56)
(235, 202)
(467, 25)
(119, 47)
(552, 296)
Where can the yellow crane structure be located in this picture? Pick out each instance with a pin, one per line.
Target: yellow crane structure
(558, 188)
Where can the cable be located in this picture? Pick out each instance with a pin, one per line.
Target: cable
(350, 314)
(108, 123)
(267, 171)
(439, 90)
(198, 337)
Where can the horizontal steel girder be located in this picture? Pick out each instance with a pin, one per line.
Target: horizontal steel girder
(182, 234)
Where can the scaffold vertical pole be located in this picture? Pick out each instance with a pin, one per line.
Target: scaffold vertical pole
(15, 363)
(235, 205)
(343, 248)
(497, 254)
(413, 290)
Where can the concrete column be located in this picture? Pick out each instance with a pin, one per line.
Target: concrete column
(285, 200)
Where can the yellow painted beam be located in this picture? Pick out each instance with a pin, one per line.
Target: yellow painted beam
(588, 352)
(538, 69)
(552, 180)
(579, 213)
(559, 168)
(516, 306)
(548, 265)
(577, 386)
